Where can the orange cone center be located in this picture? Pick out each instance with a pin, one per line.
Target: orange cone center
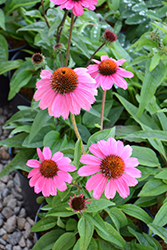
(48, 168)
(107, 67)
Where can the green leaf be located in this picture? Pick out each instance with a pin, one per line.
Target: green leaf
(151, 81)
(158, 230)
(155, 61)
(136, 212)
(153, 187)
(20, 3)
(119, 51)
(85, 229)
(19, 81)
(117, 216)
(40, 121)
(19, 162)
(79, 43)
(162, 175)
(65, 241)
(77, 153)
(4, 49)
(38, 26)
(47, 241)
(44, 224)
(115, 4)
(71, 225)
(99, 204)
(146, 156)
(161, 217)
(9, 65)
(26, 115)
(104, 134)
(2, 19)
(61, 211)
(112, 236)
(143, 247)
(14, 141)
(146, 201)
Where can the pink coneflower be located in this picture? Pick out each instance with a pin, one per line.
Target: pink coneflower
(65, 90)
(51, 173)
(76, 5)
(116, 171)
(108, 72)
(78, 203)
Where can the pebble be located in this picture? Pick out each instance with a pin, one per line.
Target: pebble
(15, 225)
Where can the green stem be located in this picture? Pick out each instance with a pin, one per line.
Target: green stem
(69, 39)
(94, 54)
(102, 109)
(77, 132)
(60, 28)
(43, 9)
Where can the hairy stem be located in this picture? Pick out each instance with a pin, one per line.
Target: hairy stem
(69, 39)
(102, 109)
(43, 9)
(60, 27)
(77, 132)
(94, 54)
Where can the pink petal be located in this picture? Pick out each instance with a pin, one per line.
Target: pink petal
(103, 146)
(34, 179)
(39, 184)
(134, 172)
(122, 188)
(34, 171)
(112, 144)
(96, 61)
(120, 62)
(131, 162)
(107, 83)
(46, 188)
(87, 159)
(77, 9)
(60, 184)
(33, 163)
(65, 176)
(126, 152)
(45, 74)
(131, 181)
(88, 170)
(47, 153)
(99, 188)
(94, 149)
(119, 81)
(110, 190)
(124, 73)
(69, 168)
(105, 57)
(93, 181)
(40, 155)
(57, 156)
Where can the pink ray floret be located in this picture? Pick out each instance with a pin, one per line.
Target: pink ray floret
(50, 173)
(112, 167)
(60, 100)
(76, 6)
(107, 72)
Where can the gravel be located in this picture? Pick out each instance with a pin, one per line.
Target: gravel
(15, 225)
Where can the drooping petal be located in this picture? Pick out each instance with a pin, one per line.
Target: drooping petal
(124, 73)
(110, 189)
(47, 153)
(60, 184)
(88, 170)
(98, 190)
(122, 188)
(93, 181)
(65, 176)
(40, 155)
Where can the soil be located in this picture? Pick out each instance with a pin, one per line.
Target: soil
(14, 43)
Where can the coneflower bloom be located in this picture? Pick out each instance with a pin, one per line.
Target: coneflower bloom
(65, 90)
(109, 37)
(78, 203)
(107, 72)
(76, 5)
(115, 170)
(50, 173)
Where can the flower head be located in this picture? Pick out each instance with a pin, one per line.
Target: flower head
(51, 173)
(59, 47)
(65, 90)
(108, 72)
(115, 169)
(76, 5)
(38, 60)
(78, 203)
(109, 37)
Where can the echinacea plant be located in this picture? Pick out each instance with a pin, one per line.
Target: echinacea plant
(94, 139)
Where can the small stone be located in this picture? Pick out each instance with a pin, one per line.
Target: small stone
(17, 179)
(2, 247)
(3, 242)
(16, 194)
(2, 119)
(2, 186)
(5, 179)
(17, 248)
(26, 248)
(27, 228)
(12, 203)
(21, 223)
(22, 213)
(22, 242)
(10, 184)
(30, 221)
(18, 189)
(16, 210)
(5, 236)
(14, 238)
(10, 225)
(5, 192)
(29, 244)
(7, 212)
(8, 247)
(1, 222)
(2, 232)
(4, 155)
(7, 199)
